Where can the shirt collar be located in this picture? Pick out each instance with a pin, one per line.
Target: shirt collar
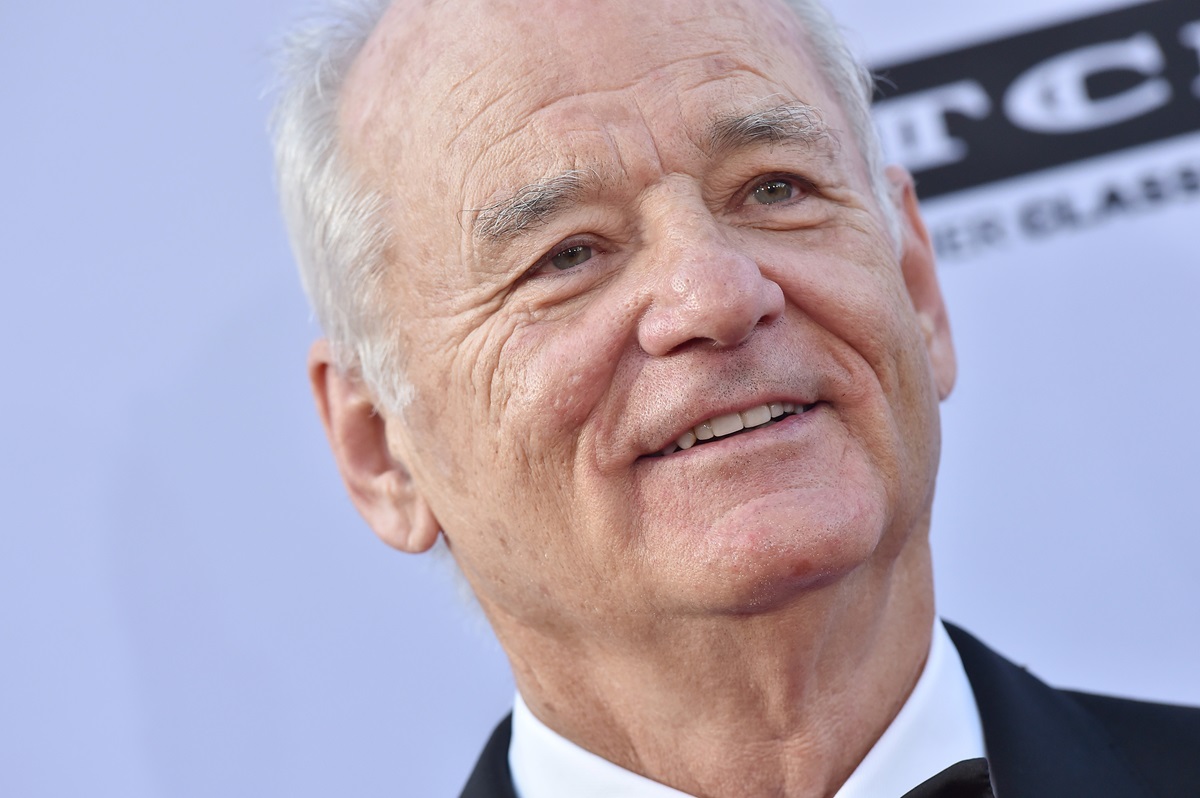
(544, 764)
(937, 726)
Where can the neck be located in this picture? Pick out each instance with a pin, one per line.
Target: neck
(782, 704)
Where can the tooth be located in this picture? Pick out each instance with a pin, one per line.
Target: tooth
(776, 409)
(687, 440)
(669, 450)
(704, 432)
(756, 416)
(726, 424)
(789, 407)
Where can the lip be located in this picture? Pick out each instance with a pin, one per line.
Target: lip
(656, 453)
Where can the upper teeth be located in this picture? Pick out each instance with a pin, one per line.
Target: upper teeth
(720, 426)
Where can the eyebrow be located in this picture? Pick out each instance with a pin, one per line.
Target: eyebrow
(535, 204)
(789, 123)
(530, 206)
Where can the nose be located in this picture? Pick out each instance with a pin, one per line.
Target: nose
(705, 290)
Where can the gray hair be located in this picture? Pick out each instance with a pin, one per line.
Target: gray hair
(854, 86)
(338, 223)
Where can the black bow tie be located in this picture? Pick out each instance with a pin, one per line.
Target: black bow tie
(965, 779)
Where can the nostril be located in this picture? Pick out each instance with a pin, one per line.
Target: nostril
(773, 302)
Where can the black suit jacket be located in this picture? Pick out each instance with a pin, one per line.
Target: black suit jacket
(1041, 742)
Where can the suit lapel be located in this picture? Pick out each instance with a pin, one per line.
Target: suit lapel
(491, 777)
(1039, 740)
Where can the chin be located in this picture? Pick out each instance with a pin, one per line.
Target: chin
(773, 551)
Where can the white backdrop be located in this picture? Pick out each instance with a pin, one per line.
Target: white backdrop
(190, 607)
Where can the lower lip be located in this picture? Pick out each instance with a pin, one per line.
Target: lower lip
(749, 436)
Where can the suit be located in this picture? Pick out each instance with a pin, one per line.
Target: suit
(1040, 741)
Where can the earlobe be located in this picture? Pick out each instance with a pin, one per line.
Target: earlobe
(920, 277)
(379, 484)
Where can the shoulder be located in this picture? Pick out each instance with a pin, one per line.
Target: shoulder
(1161, 740)
(1043, 740)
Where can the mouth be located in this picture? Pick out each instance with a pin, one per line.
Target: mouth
(730, 424)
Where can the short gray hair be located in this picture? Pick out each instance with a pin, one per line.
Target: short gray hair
(854, 87)
(338, 223)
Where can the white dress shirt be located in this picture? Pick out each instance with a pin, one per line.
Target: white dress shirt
(937, 726)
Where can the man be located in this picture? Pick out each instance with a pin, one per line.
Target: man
(622, 304)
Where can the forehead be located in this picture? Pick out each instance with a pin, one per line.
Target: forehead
(473, 97)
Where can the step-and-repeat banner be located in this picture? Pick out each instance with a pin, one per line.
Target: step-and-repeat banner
(189, 605)
(1056, 147)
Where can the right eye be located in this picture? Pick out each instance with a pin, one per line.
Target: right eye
(566, 256)
(570, 257)
(773, 191)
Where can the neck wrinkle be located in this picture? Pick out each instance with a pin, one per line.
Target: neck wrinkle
(780, 705)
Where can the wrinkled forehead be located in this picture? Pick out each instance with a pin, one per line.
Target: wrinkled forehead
(446, 90)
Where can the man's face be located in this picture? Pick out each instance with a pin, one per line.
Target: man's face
(594, 258)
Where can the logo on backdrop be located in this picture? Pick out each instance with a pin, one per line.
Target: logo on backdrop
(1047, 98)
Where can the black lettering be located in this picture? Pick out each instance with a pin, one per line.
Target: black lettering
(989, 145)
(947, 242)
(1189, 180)
(1044, 217)
(1153, 189)
(963, 238)
(992, 232)
(1113, 202)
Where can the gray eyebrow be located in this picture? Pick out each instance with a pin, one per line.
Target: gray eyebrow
(790, 122)
(529, 206)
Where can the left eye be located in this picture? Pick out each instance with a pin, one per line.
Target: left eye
(772, 192)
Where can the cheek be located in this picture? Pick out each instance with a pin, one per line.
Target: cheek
(860, 302)
(550, 386)
(545, 385)
(864, 311)
(503, 393)
(549, 381)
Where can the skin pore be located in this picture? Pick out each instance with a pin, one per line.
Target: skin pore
(596, 252)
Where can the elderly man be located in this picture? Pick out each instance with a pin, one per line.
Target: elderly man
(621, 303)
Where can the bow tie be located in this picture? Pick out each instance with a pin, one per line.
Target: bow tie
(965, 779)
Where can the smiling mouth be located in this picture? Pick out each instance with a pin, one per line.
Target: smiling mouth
(731, 424)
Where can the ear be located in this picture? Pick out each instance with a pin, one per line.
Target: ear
(380, 486)
(920, 276)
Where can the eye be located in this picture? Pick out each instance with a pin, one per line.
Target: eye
(570, 257)
(773, 191)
